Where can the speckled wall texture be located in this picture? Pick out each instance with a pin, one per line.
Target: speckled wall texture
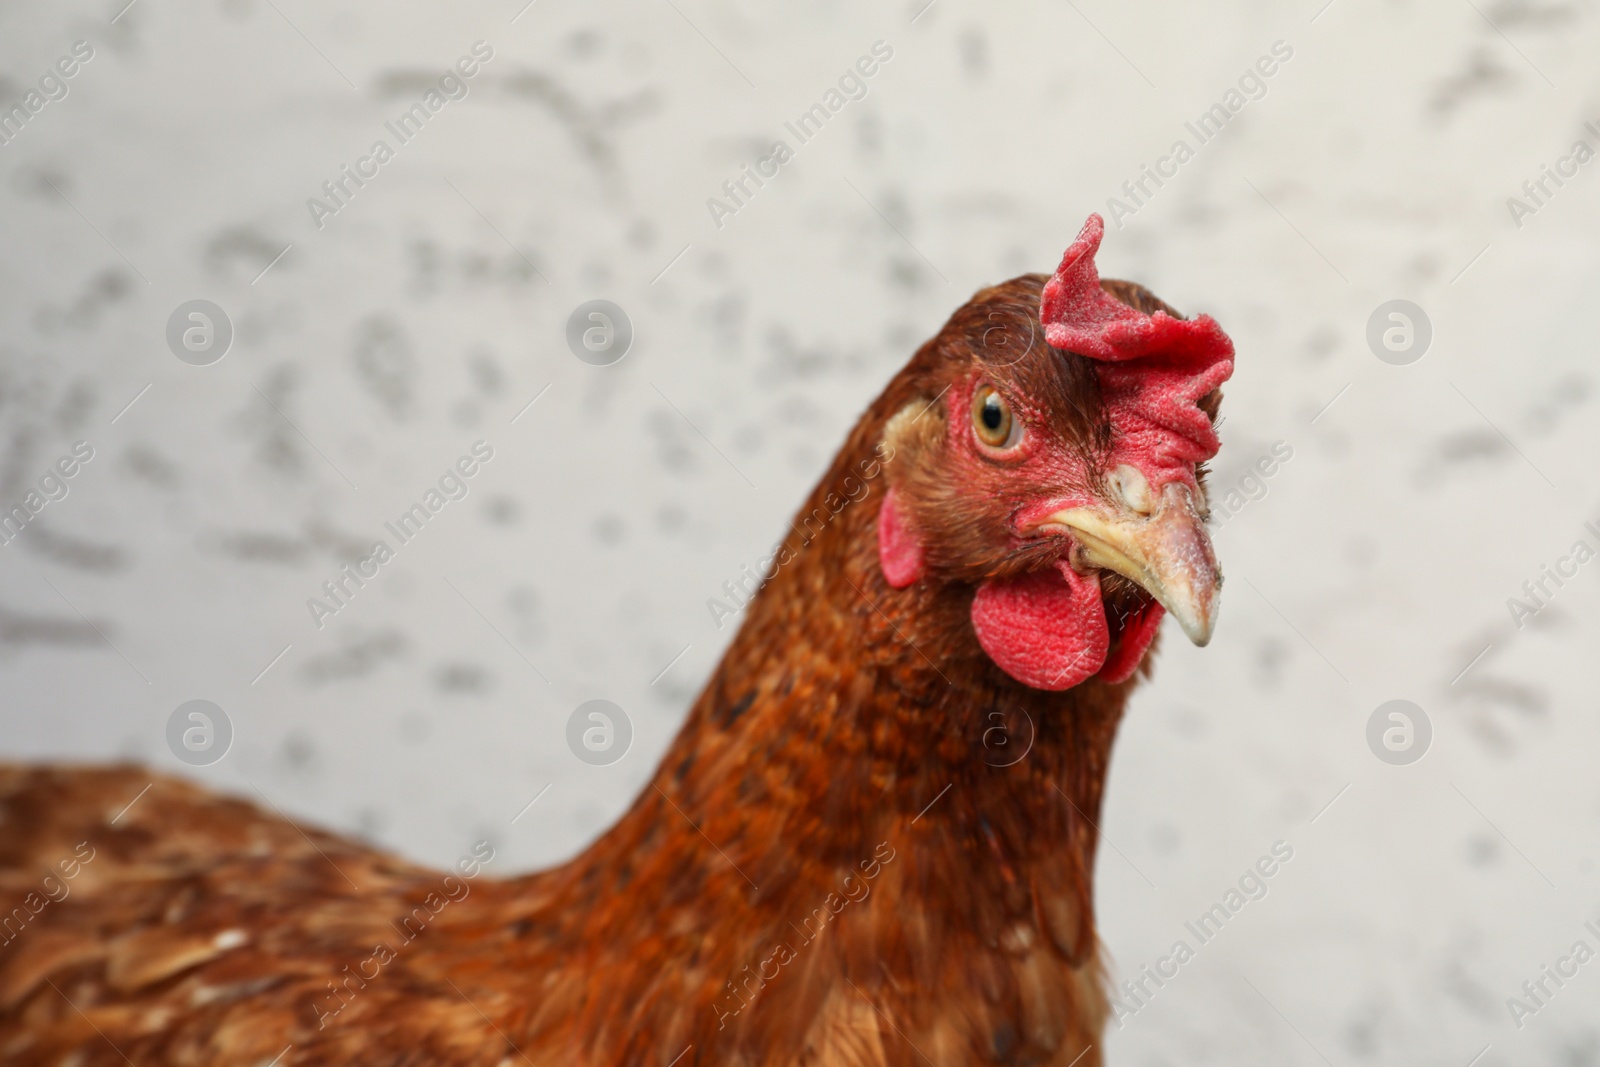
(387, 318)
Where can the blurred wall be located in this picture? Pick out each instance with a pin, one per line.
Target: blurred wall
(1400, 504)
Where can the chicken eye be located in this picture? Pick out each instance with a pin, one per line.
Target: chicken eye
(992, 420)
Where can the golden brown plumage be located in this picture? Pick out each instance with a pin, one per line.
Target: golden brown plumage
(838, 862)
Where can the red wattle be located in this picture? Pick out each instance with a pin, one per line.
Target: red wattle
(1137, 633)
(1046, 629)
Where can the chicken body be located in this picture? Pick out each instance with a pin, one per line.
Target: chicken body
(869, 845)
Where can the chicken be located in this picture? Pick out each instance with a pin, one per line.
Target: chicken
(872, 842)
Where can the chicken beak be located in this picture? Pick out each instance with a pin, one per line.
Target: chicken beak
(1166, 551)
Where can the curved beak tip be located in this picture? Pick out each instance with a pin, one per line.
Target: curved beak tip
(1198, 632)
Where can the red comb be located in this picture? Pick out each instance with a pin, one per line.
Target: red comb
(1152, 368)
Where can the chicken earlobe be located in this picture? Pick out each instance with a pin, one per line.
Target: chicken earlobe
(899, 550)
(901, 553)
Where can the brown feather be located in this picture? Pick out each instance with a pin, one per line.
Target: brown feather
(825, 869)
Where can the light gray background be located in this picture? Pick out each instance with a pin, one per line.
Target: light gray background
(424, 317)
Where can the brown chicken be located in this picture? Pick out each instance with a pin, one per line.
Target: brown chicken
(872, 842)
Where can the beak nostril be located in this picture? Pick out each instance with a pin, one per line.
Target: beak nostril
(1133, 489)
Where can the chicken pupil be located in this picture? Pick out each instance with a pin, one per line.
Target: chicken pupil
(992, 413)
